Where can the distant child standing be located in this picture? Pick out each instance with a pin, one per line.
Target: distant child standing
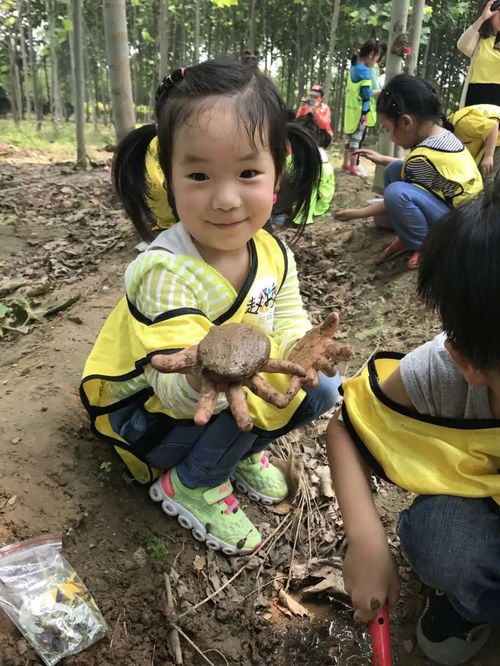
(359, 92)
(222, 145)
(437, 174)
(429, 422)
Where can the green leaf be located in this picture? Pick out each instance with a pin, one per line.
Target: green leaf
(146, 36)
(67, 24)
(4, 310)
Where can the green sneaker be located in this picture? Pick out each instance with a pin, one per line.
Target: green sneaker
(212, 514)
(260, 480)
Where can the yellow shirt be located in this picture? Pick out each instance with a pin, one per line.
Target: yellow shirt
(486, 63)
(473, 125)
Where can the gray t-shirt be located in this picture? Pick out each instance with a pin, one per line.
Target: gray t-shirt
(436, 385)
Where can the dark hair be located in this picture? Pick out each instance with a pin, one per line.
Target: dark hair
(381, 49)
(411, 95)
(188, 92)
(459, 277)
(370, 46)
(320, 136)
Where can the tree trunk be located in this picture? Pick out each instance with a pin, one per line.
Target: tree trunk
(416, 31)
(196, 55)
(331, 48)
(24, 57)
(81, 156)
(37, 102)
(55, 97)
(251, 36)
(399, 18)
(164, 38)
(115, 28)
(15, 83)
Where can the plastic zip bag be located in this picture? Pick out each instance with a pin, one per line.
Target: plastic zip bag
(46, 599)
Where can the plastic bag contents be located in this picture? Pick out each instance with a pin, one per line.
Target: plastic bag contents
(46, 599)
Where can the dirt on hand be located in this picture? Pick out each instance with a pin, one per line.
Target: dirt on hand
(233, 352)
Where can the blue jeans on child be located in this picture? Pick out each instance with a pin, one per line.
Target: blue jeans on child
(453, 543)
(208, 455)
(411, 209)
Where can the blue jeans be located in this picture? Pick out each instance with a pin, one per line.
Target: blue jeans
(208, 455)
(453, 543)
(412, 210)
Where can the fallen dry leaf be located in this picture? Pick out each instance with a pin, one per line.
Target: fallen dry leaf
(292, 605)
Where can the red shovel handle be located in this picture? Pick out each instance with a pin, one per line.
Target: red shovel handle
(381, 637)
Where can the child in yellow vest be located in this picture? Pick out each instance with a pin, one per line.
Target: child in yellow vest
(436, 175)
(357, 115)
(477, 127)
(430, 423)
(222, 146)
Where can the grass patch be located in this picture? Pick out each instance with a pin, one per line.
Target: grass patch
(60, 145)
(158, 549)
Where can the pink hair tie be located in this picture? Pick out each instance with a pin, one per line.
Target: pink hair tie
(183, 71)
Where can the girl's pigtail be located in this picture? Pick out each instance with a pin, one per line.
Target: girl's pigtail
(303, 174)
(447, 124)
(129, 178)
(354, 58)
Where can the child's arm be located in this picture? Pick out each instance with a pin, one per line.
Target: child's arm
(370, 574)
(374, 156)
(357, 213)
(489, 150)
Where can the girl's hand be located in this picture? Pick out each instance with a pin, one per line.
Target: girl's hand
(346, 215)
(229, 350)
(370, 577)
(487, 13)
(317, 350)
(487, 165)
(372, 155)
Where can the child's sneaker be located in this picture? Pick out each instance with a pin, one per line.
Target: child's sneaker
(445, 636)
(260, 480)
(212, 514)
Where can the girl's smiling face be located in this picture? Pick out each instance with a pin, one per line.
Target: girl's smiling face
(222, 182)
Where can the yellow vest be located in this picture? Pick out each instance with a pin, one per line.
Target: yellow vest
(354, 104)
(486, 63)
(458, 168)
(473, 124)
(128, 340)
(155, 179)
(424, 454)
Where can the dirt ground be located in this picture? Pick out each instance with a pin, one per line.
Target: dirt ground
(63, 236)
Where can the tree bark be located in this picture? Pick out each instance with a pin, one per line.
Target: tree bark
(416, 31)
(81, 153)
(196, 55)
(37, 102)
(399, 18)
(331, 48)
(115, 28)
(164, 38)
(15, 83)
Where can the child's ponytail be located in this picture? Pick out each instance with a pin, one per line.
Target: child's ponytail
(303, 174)
(446, 123)
(354, 58)
(129, 178)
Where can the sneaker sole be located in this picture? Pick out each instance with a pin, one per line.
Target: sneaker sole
(453, 651)
(188, 521)
(251, 493)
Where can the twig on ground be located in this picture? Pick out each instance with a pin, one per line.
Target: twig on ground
(173, 642)
(186, 638)
(114, 630)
